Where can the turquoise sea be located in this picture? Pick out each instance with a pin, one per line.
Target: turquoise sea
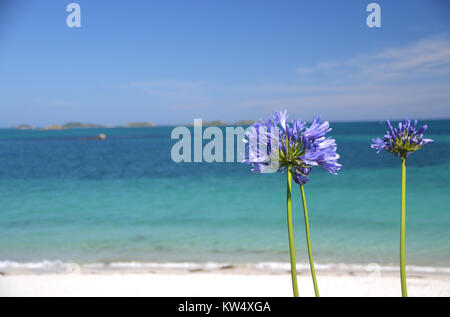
(65, 198)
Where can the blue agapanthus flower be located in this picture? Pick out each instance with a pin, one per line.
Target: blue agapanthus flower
(299, 146)
(403, 140)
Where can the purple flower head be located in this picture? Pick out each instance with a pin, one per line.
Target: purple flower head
(299, 146)
(403, 140)
(281, 117)
(317, 129)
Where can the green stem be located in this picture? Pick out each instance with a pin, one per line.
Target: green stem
(402, 231)
(291, 234)
(308, 241)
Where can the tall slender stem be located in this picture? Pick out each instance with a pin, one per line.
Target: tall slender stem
(291, 234)
(308, 241)
(402, 231)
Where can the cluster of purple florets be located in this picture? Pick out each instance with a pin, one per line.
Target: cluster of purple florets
(403, 140)
(300, 147)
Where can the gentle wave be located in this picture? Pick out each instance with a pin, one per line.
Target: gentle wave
(60, 266)
(349, 267)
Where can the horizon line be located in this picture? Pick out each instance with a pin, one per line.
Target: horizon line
(223, 123)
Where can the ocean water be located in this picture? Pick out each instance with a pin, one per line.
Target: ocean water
(65, 198)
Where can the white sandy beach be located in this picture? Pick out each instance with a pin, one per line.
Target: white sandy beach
(231, 283)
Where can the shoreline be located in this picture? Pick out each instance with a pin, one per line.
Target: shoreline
(259, 268)
(269, 279)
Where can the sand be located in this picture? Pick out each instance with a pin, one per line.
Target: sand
(218, 283)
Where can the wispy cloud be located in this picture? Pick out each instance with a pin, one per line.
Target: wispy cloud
(424, 57)
(363, 102)
(411, 80)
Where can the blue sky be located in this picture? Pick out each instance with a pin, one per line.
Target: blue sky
(171, 61)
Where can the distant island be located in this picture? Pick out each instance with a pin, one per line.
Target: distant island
(23, 127)
(219, 123)
(80, 125)
(139, 125)
(72, 125)
(244, 122)
(214, 123)
(53, 127)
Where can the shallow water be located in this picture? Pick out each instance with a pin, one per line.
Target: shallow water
(124, 200)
